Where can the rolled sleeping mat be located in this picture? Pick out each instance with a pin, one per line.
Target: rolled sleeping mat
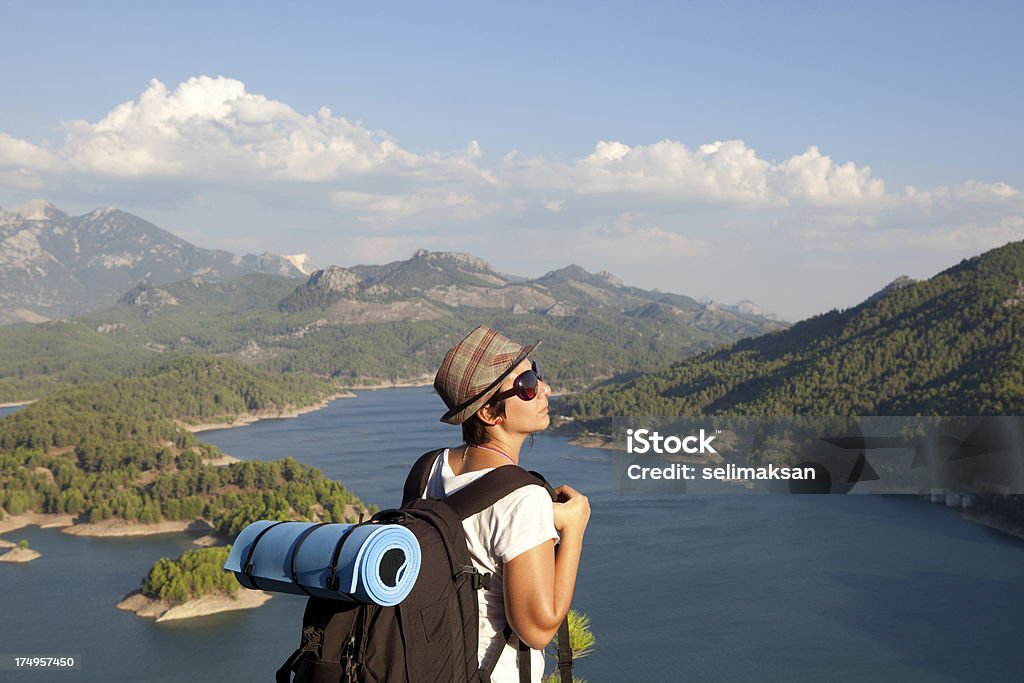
(374, 563)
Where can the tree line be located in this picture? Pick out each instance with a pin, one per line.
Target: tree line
(114, 450)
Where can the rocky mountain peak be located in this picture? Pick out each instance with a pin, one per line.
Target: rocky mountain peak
(148, 298)
(39, 210)
(101, 212)
(460, 259)
(302, 262)
(54, 265)
(570, 272)
(902, 282)
(750, 308)
(334, 279)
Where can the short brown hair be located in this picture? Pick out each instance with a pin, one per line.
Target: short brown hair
(474, 430)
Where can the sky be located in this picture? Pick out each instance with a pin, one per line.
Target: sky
(798, 154)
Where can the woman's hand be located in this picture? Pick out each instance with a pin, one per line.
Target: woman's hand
(539, 582)
(572, 511)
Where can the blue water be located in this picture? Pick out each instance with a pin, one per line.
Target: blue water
(697, 587)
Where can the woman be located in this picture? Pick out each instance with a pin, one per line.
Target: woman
(496, 393)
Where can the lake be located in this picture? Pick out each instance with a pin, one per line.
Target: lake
(679, 587)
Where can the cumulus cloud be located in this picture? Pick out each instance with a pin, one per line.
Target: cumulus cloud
(213, 128)
(21, 155)
(719, 172)
(24, 165)
(814, 176)
(212, 134)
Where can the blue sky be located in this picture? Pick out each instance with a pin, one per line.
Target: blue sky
(744, 150)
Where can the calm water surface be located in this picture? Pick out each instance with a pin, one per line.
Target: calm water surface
(698, 587)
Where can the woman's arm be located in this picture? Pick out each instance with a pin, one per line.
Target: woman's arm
(539, 582)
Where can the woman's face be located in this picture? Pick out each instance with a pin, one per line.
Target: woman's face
(522, 416)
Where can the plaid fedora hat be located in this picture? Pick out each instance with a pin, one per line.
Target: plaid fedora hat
(474, 369)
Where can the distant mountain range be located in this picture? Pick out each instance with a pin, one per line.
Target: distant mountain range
(392, 322)
(432, 283)
(53, 265)
(949, 345)
(371, 324)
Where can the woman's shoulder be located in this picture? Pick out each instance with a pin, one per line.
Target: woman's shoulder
(529, 496)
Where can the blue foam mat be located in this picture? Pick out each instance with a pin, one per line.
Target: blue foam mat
(379, 563)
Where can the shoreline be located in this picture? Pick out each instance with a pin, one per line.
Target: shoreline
(118, 528)
(593, 441)
(222, 461)
(244, 419)
(42, 520)
(18, 555)
(16, 404)
(401, 384)
(108, 528)
(161, 610)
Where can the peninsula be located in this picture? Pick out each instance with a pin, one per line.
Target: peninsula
(192, 585)
(19, 553)
(161, 610)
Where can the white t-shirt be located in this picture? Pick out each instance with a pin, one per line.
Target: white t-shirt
(521, 520)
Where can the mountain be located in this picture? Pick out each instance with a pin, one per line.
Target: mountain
(949, 345)
(437, 281)
(427, 269)
(54, 265)
(373, 324)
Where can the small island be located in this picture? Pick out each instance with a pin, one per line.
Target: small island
(193, 585)
(19, 553)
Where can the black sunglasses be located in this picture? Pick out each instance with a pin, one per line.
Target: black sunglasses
(526, 386)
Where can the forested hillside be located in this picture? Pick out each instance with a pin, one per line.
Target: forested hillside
(115, 449)
(950, 345)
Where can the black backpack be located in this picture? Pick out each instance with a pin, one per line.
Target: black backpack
(431, 636)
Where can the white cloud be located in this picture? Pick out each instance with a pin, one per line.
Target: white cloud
(24, 156)
(970, 192)
(213, 128)
(24, 165)
(719, 172)
(814, 176)
(211, 134)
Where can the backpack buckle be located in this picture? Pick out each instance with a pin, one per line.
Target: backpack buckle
(477, 580)
(392, 517)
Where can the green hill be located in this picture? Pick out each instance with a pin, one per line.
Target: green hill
(116, 449)
(39, 359)
(950, 345)
(373, 325)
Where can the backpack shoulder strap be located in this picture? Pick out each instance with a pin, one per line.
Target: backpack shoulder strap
(546, 485)
(490, 488)
(416, 482)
